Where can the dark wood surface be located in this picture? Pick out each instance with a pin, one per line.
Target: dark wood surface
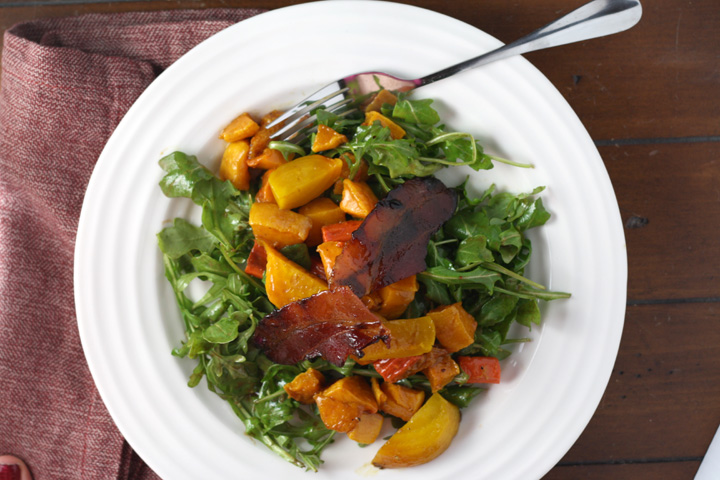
(650, 98)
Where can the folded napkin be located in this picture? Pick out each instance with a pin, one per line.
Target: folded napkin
(64, 86)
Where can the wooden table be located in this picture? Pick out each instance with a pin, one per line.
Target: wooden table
(650, 98)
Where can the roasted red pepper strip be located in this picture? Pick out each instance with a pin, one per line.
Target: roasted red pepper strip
(480, 369)
(256, 262)
(332, 324)
(392, 241)
(340, 232)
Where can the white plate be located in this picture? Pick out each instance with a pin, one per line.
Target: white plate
(126, 313)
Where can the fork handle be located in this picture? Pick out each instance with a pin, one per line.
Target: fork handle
(594, 19)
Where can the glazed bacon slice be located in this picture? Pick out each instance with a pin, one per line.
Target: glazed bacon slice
(332, 324)
(391, 243)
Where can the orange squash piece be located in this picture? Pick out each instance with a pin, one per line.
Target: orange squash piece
(326, 139)
(353, 390)
(277, 226)
(408, 337)
(454, 327)
(396, 297)
(298, 182)
(233, 165)
(270, 117)
(342, 403)
(360, 175)
(397, 400)
(380, 99)
(264, 194)
(396, 131)
(240, 128)
(442, 372)
(286, 281)
(321, 211)
(367, 428)
(328, 253)
(305, 386)
(427, 435)
(269, 158)
(358, 199)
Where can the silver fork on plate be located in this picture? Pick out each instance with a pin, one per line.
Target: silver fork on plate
(594, 19)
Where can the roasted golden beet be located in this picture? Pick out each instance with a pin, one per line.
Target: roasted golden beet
(428, 434)
(408, 337)
(321, 211)
(286, 281)
(367, 428)
(296, 183)
(277, 226)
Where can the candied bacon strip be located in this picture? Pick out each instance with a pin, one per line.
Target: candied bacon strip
(391, 243)
(332, 324)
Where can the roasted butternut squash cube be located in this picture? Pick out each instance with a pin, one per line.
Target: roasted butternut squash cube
(269, 158)
(358, 199)
(233, 165)
(428, 434)
(408, 337)
(264, 194)
(270, 117)
(442, 372)
(400, 401)
(286, 281)
(367, 429)
(327, 138)
(454, 327)
(380, 99)
(337, 415)
(396, 297)
(259, 142)
(277, 226)
(328, 253)
(396, 131)
(240, 128)
(305, 386)
(321, 211)
(353, 390)
(298, 182)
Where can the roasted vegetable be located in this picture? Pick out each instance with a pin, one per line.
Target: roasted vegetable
(358, 199)
(321, 211)
(305, 386)
(296, 183)
(277, 226)
(397, 400)
(408, 337)
(454, 327)
(233, 165)
(326, 138)
(286, 281)
(240, 128)
(480, 369)
(340, 232)
(427, 435)
(396, 131)
(395, 298)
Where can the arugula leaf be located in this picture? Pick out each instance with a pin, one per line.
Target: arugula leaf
(416, 111)
(183, 237)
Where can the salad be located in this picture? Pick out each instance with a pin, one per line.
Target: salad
(345, 287)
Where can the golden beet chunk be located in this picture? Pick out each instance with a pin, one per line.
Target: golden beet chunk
(454, 327)
(321, 211)
(298, 182)
(427, 435)
(408, 337)
(305, 385)
(286, 281)
(396, 131)
(277, 226)
(367, 428)
(326, 139)
(233, 165)
(358, 199)
(240, 128)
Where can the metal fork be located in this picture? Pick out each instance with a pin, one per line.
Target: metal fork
(594, 19)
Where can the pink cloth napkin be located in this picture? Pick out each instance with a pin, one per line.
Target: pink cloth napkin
(65, 84)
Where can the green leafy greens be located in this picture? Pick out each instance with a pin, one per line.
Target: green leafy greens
(478, 258)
